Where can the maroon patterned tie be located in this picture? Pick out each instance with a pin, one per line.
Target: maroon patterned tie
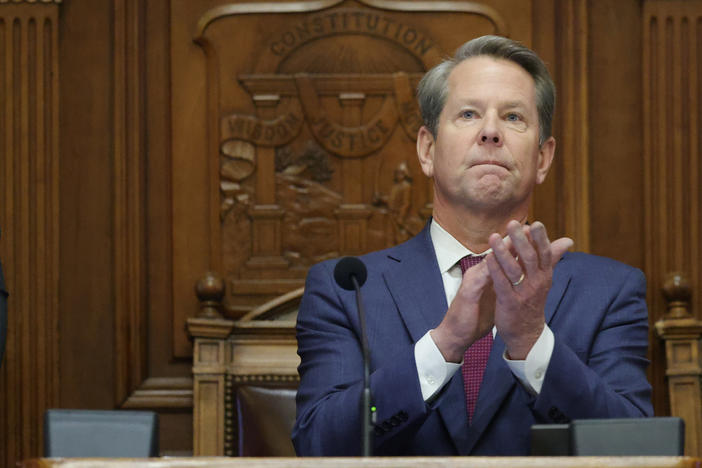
(476, 357)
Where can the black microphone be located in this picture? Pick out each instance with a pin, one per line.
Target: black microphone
(350, 274)
(347, 269)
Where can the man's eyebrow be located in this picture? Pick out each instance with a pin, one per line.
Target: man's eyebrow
(471, 102)
(477, 102)
(513, 104)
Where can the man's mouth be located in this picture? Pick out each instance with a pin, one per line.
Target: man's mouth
(489, 162)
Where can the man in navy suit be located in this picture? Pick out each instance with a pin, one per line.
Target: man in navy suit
(564, 334)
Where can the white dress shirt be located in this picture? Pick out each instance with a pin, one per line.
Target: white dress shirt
(434, 372)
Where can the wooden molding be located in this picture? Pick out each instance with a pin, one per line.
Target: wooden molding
(210, 328)
(162, 392)
(395, 5)
(129, 198)
(29, 214)
(573, 110)
(267, 379)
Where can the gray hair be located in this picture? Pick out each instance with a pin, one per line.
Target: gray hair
(433, 88)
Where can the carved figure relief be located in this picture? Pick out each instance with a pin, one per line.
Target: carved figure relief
(316, 137)
(401, 223)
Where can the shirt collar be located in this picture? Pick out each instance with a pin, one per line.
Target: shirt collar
(448, 250)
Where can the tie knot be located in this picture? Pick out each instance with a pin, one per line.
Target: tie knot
(470, 261)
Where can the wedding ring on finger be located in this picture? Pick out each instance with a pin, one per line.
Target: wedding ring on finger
(519, 281)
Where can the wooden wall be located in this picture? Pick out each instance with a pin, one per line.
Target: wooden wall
(117, 192)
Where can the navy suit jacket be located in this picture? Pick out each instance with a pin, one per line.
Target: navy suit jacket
(596, 308)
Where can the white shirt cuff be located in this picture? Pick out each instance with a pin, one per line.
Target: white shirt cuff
(433, 371)
(532, 371)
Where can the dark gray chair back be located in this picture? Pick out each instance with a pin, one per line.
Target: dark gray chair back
(664, 436)
(97, 433)
(628, 437)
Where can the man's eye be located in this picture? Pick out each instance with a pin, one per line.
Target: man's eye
(467, 114)
(512, 117)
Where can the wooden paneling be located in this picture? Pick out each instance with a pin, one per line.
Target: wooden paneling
(615, 130)
(672, 83)
(115, 235)
(29, 216)
(86, 287)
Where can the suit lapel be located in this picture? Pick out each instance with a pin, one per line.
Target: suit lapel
(559, 285)
(498, 380)
(413, 279)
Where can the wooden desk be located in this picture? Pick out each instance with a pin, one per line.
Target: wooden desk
(379, 462)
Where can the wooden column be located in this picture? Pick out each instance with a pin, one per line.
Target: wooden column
(209, 331)
(29, 217)
(352, 216)
(672, 81)
(681, 333)
(266, 215)
(572, 110)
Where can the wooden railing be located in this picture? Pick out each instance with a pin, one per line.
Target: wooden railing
(681, 332)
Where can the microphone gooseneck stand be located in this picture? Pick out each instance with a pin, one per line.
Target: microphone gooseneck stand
(350, 274)
(367, 409)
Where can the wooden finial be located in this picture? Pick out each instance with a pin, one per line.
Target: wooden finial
(210, 291)
(677, 293)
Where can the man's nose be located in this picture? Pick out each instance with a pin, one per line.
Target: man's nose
(490, 133)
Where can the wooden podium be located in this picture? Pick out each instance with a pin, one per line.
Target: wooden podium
(373, 462)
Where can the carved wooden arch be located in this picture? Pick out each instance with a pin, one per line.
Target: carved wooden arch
(222, 11)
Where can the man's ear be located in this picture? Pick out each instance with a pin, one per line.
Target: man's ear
(546, 153)
(425, 150)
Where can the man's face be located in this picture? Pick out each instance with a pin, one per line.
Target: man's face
(486, 155)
